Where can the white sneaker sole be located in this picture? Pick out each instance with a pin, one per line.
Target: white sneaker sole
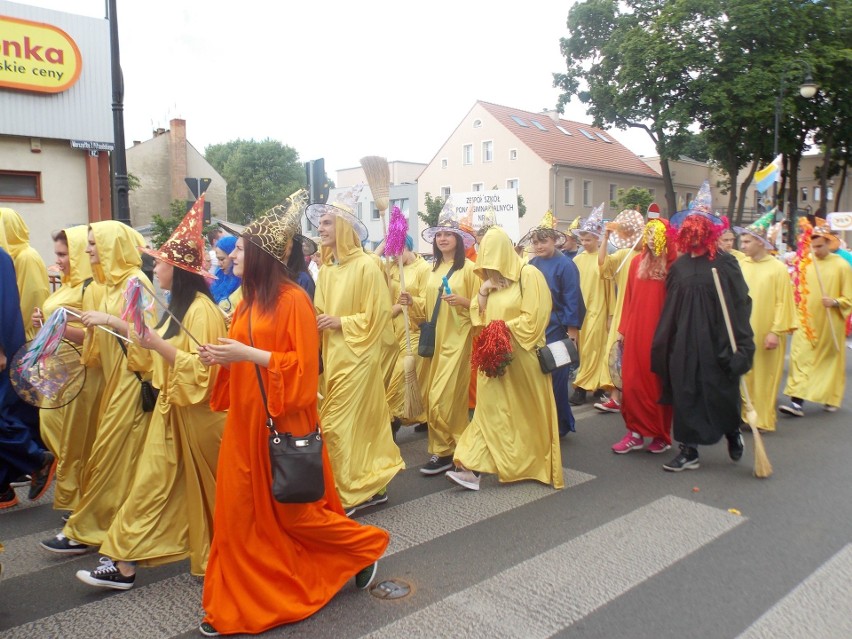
(789, 410)
(67, 551)
(462, 482)
(86, 577)
(693, 466)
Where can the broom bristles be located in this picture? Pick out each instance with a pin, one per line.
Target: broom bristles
(377, 172)
(762, 466)
(413, 398)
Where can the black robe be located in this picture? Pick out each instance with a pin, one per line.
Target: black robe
(692, 353)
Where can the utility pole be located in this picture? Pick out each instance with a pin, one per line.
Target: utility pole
(120, 183)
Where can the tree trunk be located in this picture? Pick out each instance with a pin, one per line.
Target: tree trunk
(839, 193)
(744, 192)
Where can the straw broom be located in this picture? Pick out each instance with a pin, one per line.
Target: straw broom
(762, 466)
(395, 246)
(377, 171)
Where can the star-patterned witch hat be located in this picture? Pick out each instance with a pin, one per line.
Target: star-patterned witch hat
(592, 224)
(489, 219)
(760, 228)
(344, 206)
(701, 205)
(185, 248)
(448, 220)
(547, 226)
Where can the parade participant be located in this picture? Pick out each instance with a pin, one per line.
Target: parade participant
(298, 269)
(213, 239)
(353, 312)
(273, 563)
(644, 297)
(226, 281)
(113, 250)
(168, 513)
(773, 317)
(69, 431)
(726, 242)
(691, 350)
(568, 310)
(625, 234)
(817, 371)
(571, 246)
(515, 428)
(598, 296)
(448, 379)
(20, 454)
(30, 270)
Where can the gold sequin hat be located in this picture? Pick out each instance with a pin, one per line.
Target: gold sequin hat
(185, 248)
(344, 206)
(629, 228)
(547, 223)
(273, 231)
(823, 230)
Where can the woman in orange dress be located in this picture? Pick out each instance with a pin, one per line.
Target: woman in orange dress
(273, 563)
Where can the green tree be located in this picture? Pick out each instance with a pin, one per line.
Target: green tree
(633, 198)
(434, 206)
(259, 174)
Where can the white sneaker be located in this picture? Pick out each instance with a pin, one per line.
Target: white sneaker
(465, 478)
(828, 408)
(793, 409)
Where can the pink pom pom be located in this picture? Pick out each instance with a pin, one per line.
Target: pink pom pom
(397, 230)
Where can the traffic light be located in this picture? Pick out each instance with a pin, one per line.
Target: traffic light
(318, 186)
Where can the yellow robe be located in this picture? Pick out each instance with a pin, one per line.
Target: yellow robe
(354, 414)
(390, 347)
(515, 430)
(448, 370)
(772, 311)
(168, 513)
(69, 431)
(416, 277)
(741, 257)
(122, 424)
(598, 296)
(818, 371)
(620, 258)
(30, 270)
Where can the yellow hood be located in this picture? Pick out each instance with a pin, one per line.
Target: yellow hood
(348, 244)
(118, 251)
(81, 268)
(17, 235)
(497, 252)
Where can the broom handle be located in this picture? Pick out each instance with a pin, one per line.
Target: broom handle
(629, 253)
(727, 317)
(827, 310)
(404, 307)
(103, 328)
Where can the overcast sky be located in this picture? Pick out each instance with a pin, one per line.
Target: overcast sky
(334, 79)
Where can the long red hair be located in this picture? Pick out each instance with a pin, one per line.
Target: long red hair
(698, 235)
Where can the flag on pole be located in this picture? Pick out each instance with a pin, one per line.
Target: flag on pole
(765, 177)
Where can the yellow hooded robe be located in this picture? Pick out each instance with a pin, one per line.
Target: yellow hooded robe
(30, 270)
(515, 429)
(354, 414)
(598, 295)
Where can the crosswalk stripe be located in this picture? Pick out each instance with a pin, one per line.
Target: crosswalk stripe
(615, 557)
(426, 518)
(24, 503)
(24, 556)
(818, 607)
(163, 609)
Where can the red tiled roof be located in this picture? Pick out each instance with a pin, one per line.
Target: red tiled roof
(554, 147)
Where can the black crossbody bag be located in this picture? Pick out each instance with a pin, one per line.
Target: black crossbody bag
(426, 345)
(148, 393)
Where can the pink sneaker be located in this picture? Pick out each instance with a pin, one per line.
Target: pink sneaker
(627, 444)
(658, 445)
(609, 406)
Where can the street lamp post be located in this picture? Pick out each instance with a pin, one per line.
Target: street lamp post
(120, 183)
(807, 90)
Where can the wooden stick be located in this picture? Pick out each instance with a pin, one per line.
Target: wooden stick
(404, 307)
(827, 310)
(172, 315)
(632, 248)
(103, 328)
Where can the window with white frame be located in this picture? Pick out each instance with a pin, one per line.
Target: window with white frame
(444, 163)
(587, 193)
(375, 213)
(512, 184)
(445, 192)
(613, 194)
(478, 186)
(401, 203)
(513, 154)
(488, 151)
(467, 154)
(569, 191)
(359, 210)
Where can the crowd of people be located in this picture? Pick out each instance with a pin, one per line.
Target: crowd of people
(264, 330)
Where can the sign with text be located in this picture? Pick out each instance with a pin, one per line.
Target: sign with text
(37, 57)
(503, 201)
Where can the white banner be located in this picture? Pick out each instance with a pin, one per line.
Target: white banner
(840, 221)
(503, 201)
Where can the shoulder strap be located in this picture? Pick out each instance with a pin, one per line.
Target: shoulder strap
(440, 291)
(269, 423)
(124, 350)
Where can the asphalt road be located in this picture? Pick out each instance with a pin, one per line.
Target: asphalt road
(626, 550)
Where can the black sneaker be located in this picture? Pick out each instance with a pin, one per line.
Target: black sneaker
(793, 409)
(20, 481)
(107, 575)
(735, 446)
(64, 546)
(207, 630)
(437, 465)
(578, 398)
(66, 517)
(42, 477)
(375, 500)
(365, 577)
(687, 459)
(8, 498)
(396, 424)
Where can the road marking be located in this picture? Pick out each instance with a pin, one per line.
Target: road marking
(24, 556)
(817, 607)
(609, 561)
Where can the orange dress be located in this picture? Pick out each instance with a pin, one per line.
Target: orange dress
(273, 563)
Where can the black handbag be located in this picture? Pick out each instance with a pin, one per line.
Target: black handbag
(148, 393)
(296, 462)
(558, 354)
(426, 343)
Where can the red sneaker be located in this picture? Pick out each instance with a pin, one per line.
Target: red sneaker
(658, 445)
(628, 443)
(609, 406)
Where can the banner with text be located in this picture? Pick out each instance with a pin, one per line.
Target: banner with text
(503, 201)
